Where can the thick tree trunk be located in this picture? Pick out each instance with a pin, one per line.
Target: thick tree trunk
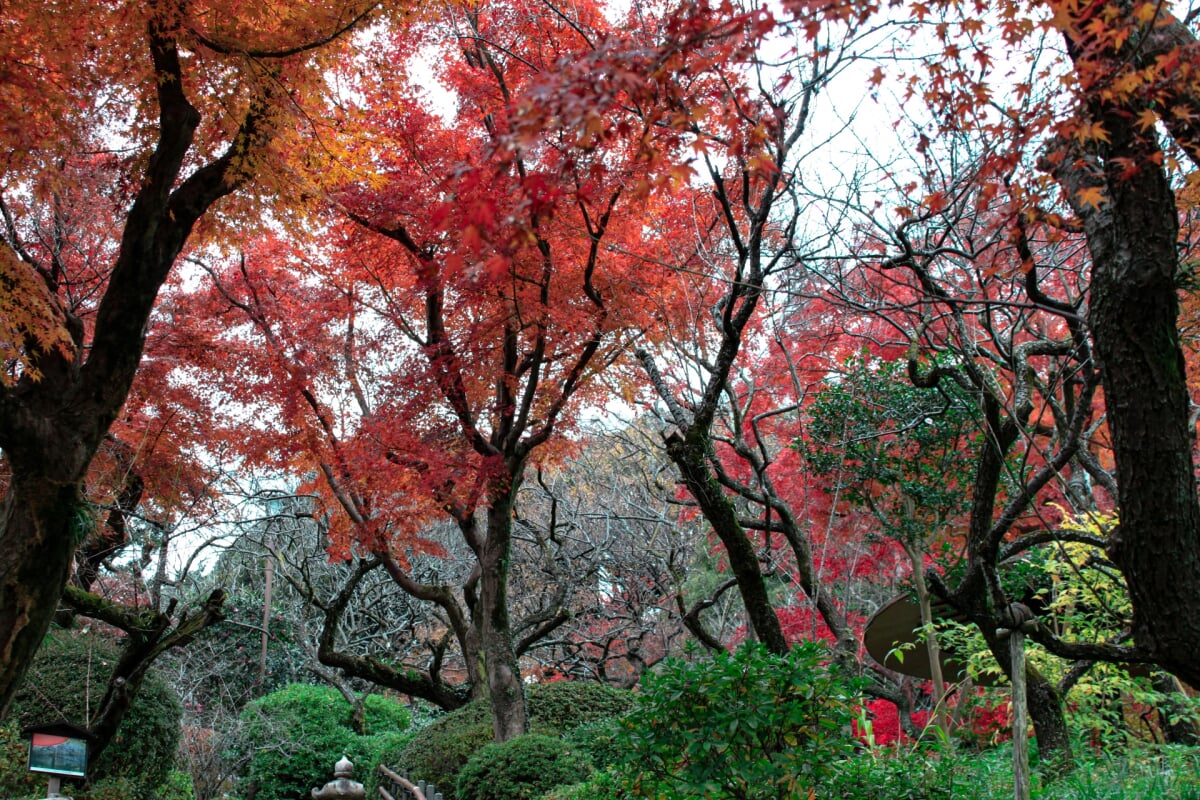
(50, 430)
(506, 691)
(1133, 315)
(1049, 722)
(37, 528)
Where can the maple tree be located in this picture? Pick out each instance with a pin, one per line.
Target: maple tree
(731, 386)
(1016, 239)
(955, 290)
(1071, 188)
(177, 105)
(488, 264)
(755, 215)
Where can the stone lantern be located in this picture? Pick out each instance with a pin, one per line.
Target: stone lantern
(342, 787)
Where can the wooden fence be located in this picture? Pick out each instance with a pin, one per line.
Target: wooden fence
(399, 787)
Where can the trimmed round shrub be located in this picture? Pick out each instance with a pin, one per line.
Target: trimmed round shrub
(523, 768)
(565, 705)
(445, 745)
(67, 680)
(289, 740)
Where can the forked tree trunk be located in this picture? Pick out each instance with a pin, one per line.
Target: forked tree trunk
(1044, 705)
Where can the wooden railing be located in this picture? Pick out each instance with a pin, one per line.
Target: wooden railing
(404, 789)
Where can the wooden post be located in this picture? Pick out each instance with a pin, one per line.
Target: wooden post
(1020, 725)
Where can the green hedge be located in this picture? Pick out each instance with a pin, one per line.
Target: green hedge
(445, 745)
(289, 740)
(523, 768)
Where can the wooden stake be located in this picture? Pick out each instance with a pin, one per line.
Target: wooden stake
(1020, 726)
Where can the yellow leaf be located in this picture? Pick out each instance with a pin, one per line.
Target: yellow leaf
(1146, 12)
(1091, 196)
(1092, 132)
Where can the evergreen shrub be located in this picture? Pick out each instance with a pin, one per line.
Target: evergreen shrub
(523, 768)
(748, 724)
(447, 743)
(290, 739)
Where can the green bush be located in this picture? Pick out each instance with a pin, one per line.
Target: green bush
(748, 725)
(289, 740)
(446, 744)
(16, 781)
(523, 768)
(605, 785)
(900, 775)
(565, 705)
(178, 786)
(443, 747)
(67, 680)
(1170, 773)
(599, 741)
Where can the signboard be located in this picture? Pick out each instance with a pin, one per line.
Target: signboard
(58, 755)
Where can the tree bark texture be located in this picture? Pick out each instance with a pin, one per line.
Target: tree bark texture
(690, 451)
(1133, 316)
(506, 692)
(36, 529)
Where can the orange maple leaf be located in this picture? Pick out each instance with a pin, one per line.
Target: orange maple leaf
(1092, 196)
(1147, 119)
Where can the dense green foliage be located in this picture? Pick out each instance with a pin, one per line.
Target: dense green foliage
(523, 768)
(555, 709)
(600, 741)
(893, 447)
(1166, 773)
(1161, 773)
(565, 705)
(66, 681)
(15, 778)
(743, 725)
(604, 785)
(290, 739)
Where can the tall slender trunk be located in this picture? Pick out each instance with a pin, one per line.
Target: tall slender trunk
(924, 603)
(690, 454)
(506, 691)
